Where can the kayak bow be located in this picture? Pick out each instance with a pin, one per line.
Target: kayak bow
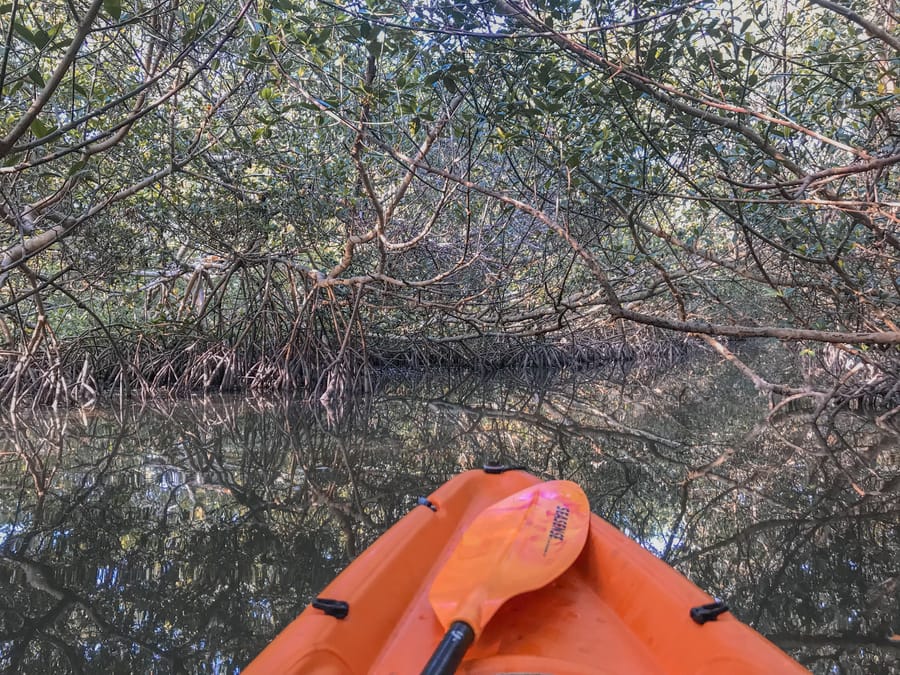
(615, 609)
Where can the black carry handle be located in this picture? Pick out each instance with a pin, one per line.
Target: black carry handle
(450, 651)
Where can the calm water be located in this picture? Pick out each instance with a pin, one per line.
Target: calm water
(181, 537)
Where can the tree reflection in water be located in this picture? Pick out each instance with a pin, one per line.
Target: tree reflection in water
(181, 537)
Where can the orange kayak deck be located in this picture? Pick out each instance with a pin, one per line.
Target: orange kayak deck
(618, 609)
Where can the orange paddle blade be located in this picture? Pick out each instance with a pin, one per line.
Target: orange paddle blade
(519, 544)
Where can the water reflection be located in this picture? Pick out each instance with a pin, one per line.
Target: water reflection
(181, 537)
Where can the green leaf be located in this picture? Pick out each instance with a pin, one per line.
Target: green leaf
(77, 166)
(24, 32)
(40, 128)
(113, 8)
(41, 38)
(434, 77)
(35, 76)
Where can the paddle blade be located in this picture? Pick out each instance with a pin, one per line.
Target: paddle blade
(519, 544)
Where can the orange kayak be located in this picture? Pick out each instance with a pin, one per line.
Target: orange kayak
(617, 609)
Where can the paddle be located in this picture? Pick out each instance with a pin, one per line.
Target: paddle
(519, 544)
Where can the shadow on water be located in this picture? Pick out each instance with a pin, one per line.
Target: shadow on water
(181, 537)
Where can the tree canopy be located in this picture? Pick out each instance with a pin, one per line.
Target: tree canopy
(223, 194)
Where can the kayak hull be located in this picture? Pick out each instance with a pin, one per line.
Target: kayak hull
(618, 609)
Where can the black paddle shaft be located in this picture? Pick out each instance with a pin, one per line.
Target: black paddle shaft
(450, 652)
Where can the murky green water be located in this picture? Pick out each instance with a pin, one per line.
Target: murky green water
(181, 537)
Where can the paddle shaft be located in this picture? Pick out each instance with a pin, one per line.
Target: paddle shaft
(450, 651)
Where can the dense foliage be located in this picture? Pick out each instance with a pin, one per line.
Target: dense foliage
(219, 194)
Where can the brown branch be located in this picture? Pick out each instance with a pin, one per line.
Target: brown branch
(16, 255)
(563, 232)
(791, 334)
(695, 107)
(384, 215)
(7, 47)
(758, 382)
(617, 311)
(138, 110)
(663, 93)
(817, 177)
(150, 65)
(868, 26)
(47, 92)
